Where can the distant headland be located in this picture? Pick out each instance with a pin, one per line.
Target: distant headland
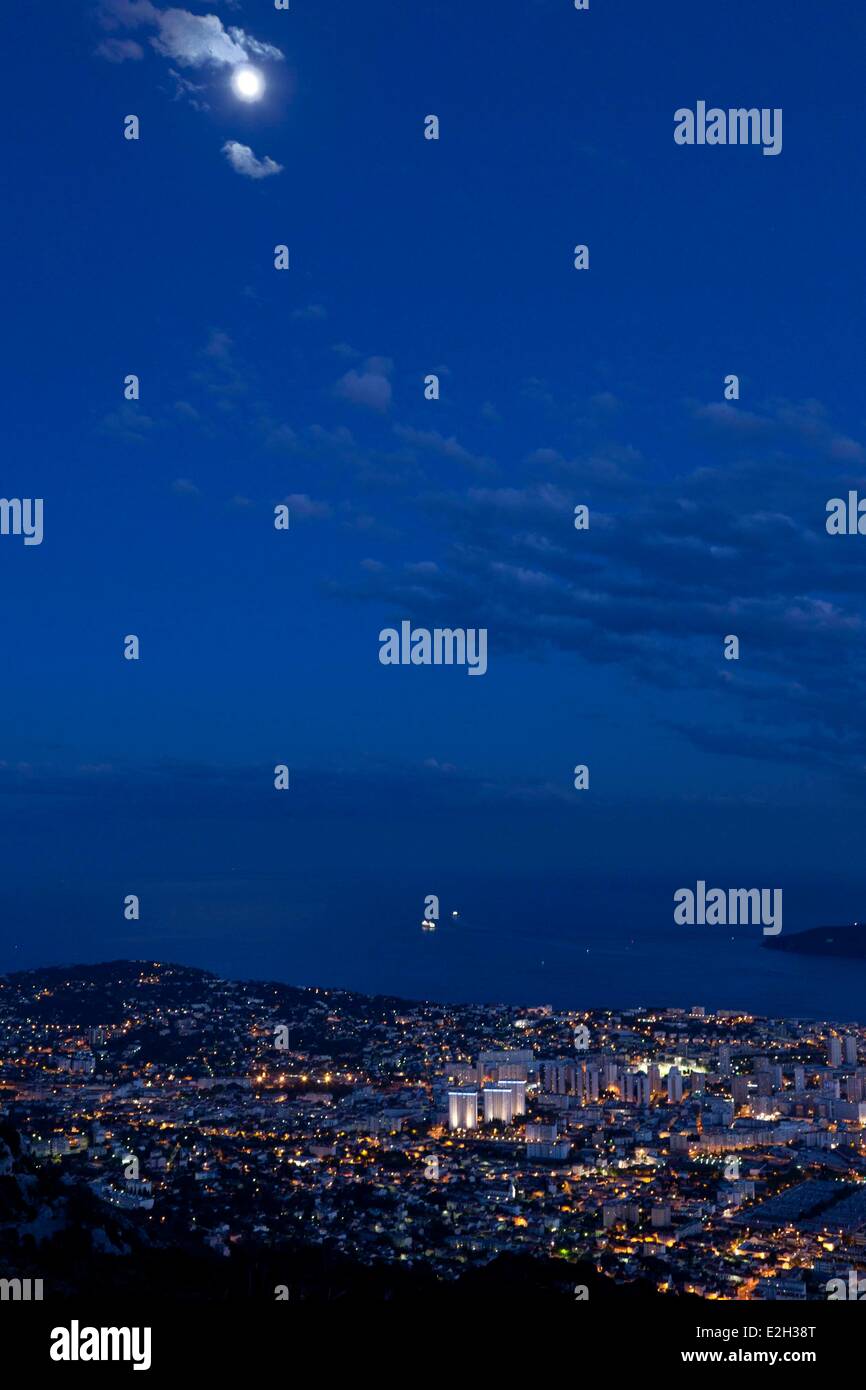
(848, 941)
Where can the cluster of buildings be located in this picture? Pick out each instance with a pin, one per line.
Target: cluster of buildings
(715, 1153)
(503, 1078)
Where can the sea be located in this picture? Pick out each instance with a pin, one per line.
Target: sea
(565, 943)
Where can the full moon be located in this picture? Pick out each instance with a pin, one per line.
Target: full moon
(248, 83)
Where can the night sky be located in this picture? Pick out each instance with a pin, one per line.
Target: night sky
(558, 387)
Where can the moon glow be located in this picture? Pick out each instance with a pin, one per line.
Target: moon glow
(248, 83)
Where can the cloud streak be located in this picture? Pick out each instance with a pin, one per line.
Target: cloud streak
(190, 40)
(244, 162)
(666, 571)
(369, 387)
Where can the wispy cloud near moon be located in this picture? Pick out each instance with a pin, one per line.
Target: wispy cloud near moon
(243, 161)
(191, 40)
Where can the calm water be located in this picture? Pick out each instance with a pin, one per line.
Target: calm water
(559, 943)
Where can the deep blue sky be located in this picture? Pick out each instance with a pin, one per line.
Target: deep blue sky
(558, 387)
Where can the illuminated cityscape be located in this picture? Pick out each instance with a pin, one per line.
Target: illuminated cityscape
(681, 1151)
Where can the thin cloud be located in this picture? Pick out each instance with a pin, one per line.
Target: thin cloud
(370, 386)
(302, 505)
(243, 161)
(437, 443)
(120, 50)
(191, 40)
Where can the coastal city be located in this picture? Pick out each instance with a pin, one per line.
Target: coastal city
(709, 1153)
